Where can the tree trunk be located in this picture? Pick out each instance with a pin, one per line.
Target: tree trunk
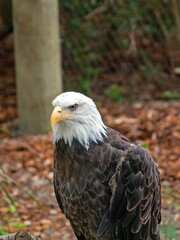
(37, 58)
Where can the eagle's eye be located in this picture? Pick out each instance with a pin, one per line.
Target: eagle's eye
(73, 107)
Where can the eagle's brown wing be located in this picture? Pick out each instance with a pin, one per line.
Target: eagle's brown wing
(136, 199)
(111, 191)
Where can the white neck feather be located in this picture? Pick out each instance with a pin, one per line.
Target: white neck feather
(82, 128)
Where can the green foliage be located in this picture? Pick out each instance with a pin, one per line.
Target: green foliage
(12, 207)
(8, 196)
(78, 48)
(149, 68)
(169, 231)
(84, 84)
(9, 212)
(11, 223)
(91, 30)
(20, 225)
(144, 145)
(2, 232)
(8, 218)
(171, 95)
(114, 92)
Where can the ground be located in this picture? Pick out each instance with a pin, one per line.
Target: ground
(26, 161)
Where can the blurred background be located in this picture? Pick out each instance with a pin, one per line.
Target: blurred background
(125, 47)
(123, 54)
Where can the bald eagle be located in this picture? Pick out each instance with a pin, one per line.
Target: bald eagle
(108, 187)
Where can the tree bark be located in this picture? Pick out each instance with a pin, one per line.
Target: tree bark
(37, 59)
(22, 235)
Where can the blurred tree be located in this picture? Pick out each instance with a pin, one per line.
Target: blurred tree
(37, 58)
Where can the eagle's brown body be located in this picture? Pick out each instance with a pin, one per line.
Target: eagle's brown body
(110, 191)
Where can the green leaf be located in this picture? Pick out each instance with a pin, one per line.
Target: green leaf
(12, 208)
(114, 92)
(2, 232)
(20, 225)
(144, 145)
(171, 95)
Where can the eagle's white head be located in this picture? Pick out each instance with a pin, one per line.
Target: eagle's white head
(75, 116)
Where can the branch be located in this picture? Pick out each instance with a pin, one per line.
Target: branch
(19, 236)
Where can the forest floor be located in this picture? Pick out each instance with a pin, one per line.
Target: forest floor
(26, 162)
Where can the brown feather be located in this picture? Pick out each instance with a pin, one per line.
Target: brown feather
(110, 191)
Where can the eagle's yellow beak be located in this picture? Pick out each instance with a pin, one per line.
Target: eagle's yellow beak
(57, 116)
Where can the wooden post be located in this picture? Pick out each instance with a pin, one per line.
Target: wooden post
(37, 60)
